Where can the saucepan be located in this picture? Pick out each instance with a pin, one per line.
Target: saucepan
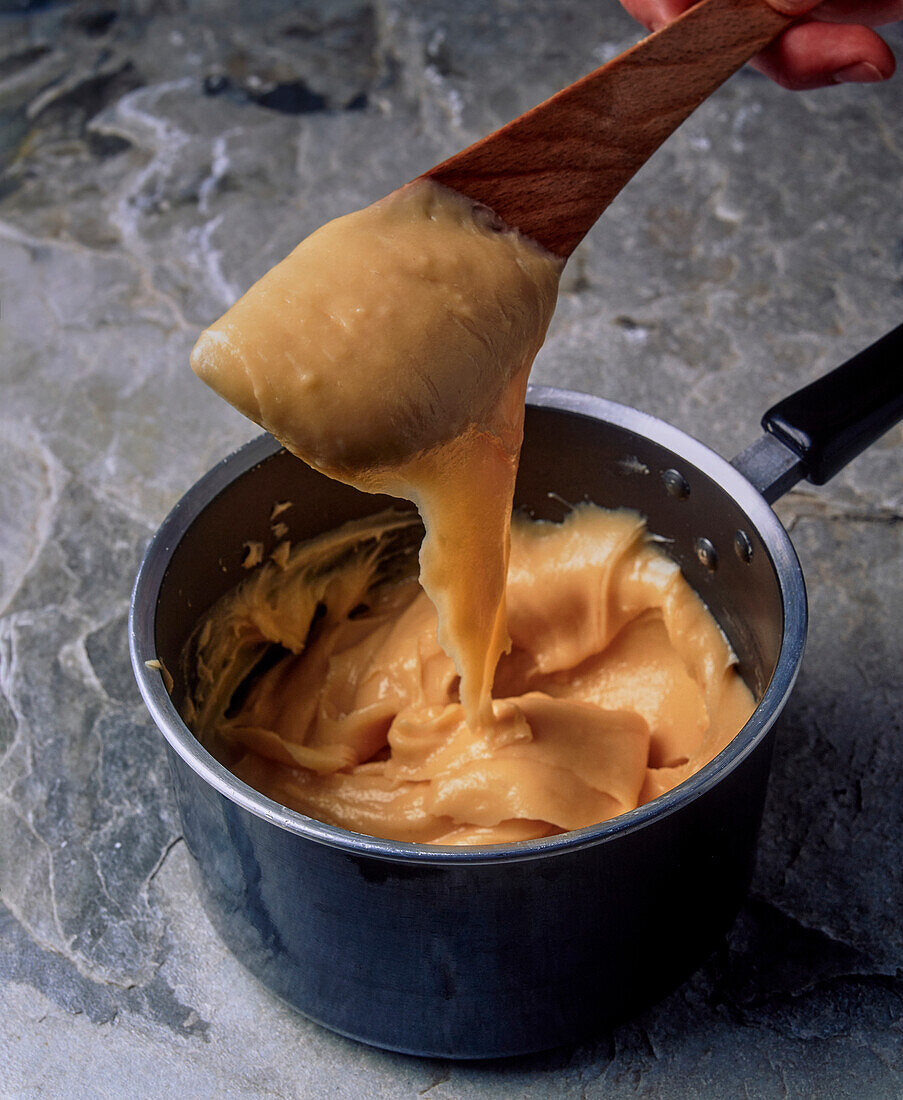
(500, 950)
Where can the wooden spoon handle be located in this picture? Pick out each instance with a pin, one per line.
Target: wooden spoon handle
(551, 172)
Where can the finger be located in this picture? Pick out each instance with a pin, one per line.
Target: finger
(794, 7)
(815, 54)
(867, 13)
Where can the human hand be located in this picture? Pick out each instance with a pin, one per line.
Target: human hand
(832, 43)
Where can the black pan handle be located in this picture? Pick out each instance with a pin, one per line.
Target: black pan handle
(832, 420)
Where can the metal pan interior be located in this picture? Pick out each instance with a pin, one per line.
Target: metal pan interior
(576, 448)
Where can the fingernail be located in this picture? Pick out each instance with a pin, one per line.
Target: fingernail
(863, 72)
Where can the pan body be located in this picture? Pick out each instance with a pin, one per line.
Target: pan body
(505, 949)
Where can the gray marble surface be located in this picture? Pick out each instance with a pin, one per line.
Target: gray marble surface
(158, 157)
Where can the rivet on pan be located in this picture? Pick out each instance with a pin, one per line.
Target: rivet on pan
(743, 547)
(707, 554)
(676, 484)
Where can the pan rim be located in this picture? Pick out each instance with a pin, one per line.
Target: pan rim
(155, 562)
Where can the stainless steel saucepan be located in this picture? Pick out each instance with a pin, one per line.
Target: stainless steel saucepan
(500, 950)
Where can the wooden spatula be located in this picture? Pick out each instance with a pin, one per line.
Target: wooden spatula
(551, 172)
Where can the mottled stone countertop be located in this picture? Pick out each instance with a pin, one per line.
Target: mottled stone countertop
(155, 158)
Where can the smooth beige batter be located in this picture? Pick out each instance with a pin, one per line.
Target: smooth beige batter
(618, 685)
(391, 350)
